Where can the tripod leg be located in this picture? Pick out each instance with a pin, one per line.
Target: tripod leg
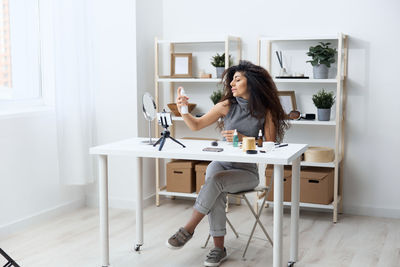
(162, 143)
(158, 141)
(176, 141)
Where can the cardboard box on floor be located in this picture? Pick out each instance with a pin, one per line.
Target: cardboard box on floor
(180, 176)
(316, 184)
(200, 168)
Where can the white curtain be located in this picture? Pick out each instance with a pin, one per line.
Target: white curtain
(74, 95)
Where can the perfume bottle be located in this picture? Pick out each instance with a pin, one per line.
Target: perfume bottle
(259, 139)
(235, 139)
(184, 109)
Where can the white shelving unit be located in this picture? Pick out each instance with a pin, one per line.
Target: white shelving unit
(265, 44)
(305, 81)
(226, 42)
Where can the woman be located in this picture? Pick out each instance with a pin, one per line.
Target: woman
(250, 103)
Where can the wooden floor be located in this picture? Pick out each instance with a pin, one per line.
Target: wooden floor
(73, 240)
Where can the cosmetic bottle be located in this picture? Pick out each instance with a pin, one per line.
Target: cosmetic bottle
(259, 139)
(235, 139)
(184, 109)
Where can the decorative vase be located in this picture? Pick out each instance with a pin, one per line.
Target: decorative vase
(324, 114)
(220, 70)
(320, 71)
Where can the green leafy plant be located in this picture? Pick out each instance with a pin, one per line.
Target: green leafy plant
(216, 96)
(322, 54)
(323, 99)
(219, 60)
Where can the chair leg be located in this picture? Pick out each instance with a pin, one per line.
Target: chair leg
(208, 238)
(233, 229)
(257, 216)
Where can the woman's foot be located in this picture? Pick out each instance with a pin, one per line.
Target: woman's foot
(215, 257)
(179, 239)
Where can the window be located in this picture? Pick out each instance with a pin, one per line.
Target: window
(20, 73)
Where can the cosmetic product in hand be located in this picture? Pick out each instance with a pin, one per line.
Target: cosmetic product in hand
(235, 139)
(259, 139)
(184, 109)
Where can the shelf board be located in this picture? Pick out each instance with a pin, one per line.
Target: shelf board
(318, 164)
(177, 194)
(308, 205)
(301, 38)
(190, 80)
(305, 81)
(315, 122)
(301, 122)
(194, 41)
(175, 118)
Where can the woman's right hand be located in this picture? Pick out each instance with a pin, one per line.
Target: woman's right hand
(181, 100)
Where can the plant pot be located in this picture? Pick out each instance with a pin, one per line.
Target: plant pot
(320, 71)
(220, 70)
(324, 114)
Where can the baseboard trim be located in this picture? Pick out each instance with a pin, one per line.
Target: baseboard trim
(18, 225)
(371, 211)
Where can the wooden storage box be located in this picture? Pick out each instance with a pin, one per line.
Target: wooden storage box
(316, 185)
(200, 174)
(180, 176)
(287, 182)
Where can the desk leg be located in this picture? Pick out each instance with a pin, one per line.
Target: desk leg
(294, 214)
(278, 214)
(103, 210)
(139, 204)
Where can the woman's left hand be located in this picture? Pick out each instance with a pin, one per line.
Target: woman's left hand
(228, 134)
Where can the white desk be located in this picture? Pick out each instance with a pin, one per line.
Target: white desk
(135, 148)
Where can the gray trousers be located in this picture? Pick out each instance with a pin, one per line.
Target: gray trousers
(223, 178)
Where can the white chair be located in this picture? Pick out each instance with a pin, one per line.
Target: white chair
(262, 191)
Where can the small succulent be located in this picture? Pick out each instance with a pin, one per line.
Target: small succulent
(322, 54)
(323, 99)
(216, 96)
(219, 60)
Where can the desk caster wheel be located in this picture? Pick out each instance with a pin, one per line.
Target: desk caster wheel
(290, 263)
(137, 247)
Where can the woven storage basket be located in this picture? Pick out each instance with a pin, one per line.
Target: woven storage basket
(319, 154)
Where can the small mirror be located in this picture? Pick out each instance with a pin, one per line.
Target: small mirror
(149, 112)
(149, 107)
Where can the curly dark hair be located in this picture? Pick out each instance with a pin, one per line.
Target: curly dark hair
(263, 94)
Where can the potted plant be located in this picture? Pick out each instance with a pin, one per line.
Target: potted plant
(322, 57)
(216, 96)
(324, 101)
(218, 61)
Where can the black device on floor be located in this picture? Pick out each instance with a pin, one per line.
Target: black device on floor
(10, 261)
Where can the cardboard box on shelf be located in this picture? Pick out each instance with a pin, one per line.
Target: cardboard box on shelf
(180, 176)
(316, 185)
(287, 182)
(200, 168)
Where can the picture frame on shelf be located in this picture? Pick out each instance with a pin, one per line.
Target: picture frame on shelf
(181, 65)
(288, 100)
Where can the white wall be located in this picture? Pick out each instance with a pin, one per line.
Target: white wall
(149, 17)
(29, 179)
(113, 31)
(372, 125)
